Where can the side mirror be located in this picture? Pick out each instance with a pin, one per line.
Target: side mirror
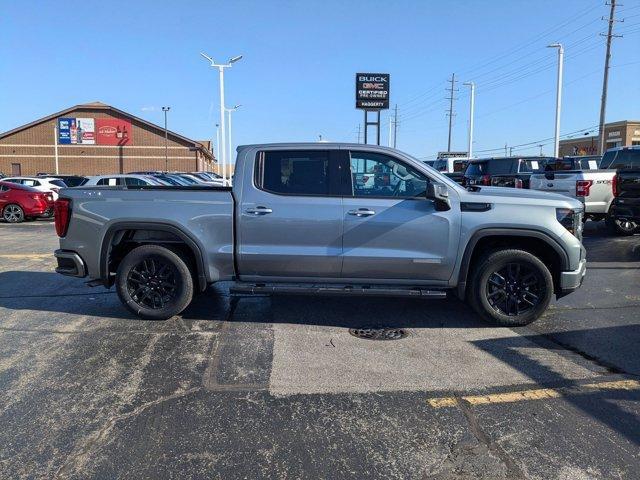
(439, 194)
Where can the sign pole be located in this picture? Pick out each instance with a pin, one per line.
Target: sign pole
(55, 140)
(378, 128)
(366, 127)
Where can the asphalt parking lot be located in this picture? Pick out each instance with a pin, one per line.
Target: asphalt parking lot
(278, 387)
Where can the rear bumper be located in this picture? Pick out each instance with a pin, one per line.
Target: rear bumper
(70, 263)
(572, 280)
(626, 211)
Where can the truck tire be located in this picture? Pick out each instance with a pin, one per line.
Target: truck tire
(154, 283)
(624, 227)
(510, 287)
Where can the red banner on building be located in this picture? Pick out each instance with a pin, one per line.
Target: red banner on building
(113, 131)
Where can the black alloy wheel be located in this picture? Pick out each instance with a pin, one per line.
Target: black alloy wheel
(152, 283)
(515, 289)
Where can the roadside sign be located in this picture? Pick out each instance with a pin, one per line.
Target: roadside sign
(453, 154)
(372, 91)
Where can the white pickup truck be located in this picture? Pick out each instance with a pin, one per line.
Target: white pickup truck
(578, 177)
(592, 183)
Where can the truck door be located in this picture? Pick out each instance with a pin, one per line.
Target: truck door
(290, 216)
(391, 231)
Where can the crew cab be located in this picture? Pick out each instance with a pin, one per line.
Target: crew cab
(326, 218)
(513, 172)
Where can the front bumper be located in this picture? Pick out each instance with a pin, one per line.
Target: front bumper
(70, 263)
(572, 280)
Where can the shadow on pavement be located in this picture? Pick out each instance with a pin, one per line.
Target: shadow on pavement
(604, 246)
(599, 404)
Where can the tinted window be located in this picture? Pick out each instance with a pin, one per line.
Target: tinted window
(627, 159)
(58, 183)
(30, 183)
(376, 175)
(294, 173)
(132, 181)
(490, 167)
(12, 180)
(440, 165)
(3, 188)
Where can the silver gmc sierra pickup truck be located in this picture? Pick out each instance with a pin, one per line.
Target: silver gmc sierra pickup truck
(322, 218)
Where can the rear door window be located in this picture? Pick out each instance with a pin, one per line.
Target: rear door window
(30, 183)
(627, 159)
(111, 182)
(58, 183)
(133, 182)
(294, 172)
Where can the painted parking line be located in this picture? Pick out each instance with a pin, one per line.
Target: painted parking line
(535, 394)
(21, 256)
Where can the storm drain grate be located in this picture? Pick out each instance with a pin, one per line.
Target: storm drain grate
(378, 333)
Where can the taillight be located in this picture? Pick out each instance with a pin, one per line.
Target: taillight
(486, 180)
(583, 187)
(614, 185)
(518, 183)
(62, 215)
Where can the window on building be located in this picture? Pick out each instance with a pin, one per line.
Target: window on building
(294, 173)
(376, 175)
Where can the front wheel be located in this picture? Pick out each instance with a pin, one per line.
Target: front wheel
(154, 282)
(510, 287)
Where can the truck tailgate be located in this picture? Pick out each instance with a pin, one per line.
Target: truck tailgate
(563, 183)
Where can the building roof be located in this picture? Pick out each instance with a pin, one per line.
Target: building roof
(103, 106)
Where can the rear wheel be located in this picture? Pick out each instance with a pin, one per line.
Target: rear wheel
(510, 287)
(624, 227)
(154, 282)
(13, 213)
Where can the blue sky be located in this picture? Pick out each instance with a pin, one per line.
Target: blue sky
(296, 80)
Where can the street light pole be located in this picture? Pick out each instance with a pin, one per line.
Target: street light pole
(221, 68)
(472, 87)
(166, 140)
(556, 142)
(218, 146)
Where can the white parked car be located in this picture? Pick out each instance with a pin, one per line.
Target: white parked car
(43, 184)
(122, 180)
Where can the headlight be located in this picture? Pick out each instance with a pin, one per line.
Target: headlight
(571, 220)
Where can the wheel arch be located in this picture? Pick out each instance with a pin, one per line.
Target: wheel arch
(168, 235)
(534, 241)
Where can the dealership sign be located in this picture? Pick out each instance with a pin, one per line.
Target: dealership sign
(90, 131)
(372, 91)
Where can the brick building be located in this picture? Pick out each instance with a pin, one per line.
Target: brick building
(616, 134)
(95, 138)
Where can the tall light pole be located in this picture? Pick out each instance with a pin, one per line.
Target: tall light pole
(229, 111)
(472, 87)
(166, 140)
(556, 142)
(221, 68)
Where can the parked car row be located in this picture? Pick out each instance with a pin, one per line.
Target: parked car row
(24, 198)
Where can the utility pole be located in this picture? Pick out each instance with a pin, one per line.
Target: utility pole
(540, 145)
(511, 151)
(505, 149)
(556, 141)
(166, 140)
(472, 87)
(605, 81)
(390, 131)
(395, 125)
(451, 98)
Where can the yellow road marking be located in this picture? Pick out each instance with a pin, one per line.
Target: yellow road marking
(18, 256)
(536, 394)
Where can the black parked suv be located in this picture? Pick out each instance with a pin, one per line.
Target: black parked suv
(511, 172)
(625, 208)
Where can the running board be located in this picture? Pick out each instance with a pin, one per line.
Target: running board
(332, 290)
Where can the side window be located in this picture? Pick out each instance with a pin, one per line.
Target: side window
(30, 183)
(377, 175)
(294, 172)
(111, 182)
(132, 181)
(3, 188)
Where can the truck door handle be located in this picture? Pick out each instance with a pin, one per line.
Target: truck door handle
(362, 212)
(259, 211)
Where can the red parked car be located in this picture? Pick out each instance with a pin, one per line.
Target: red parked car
(19, 203)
